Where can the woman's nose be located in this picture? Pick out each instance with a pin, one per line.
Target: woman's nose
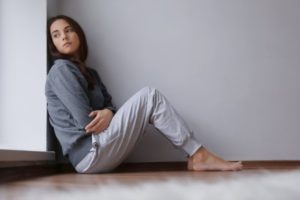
(64, 36)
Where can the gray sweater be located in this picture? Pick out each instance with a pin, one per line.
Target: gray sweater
(69, 102)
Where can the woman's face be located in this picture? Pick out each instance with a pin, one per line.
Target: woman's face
(64, 38)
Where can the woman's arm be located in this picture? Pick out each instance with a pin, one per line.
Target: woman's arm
(100, 122)
(103, 117)
(107, 97)
(71, 88)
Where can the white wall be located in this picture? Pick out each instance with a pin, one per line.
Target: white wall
(231, 68)
(22, 74)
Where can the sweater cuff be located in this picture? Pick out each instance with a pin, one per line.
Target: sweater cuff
(191, 146)
(112, 109)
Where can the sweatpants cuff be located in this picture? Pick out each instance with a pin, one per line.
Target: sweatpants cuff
(191, 146)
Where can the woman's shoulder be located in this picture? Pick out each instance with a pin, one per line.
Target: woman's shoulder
(62, 63)
(62, 66)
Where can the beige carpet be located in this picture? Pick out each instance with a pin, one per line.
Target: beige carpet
(266, 186)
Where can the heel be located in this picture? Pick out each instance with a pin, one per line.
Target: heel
(190, 164)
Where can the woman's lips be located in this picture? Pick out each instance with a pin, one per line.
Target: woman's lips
(67, 44)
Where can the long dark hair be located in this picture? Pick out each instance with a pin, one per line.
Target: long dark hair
(83, 48)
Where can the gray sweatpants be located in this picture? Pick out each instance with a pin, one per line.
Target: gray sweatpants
(113, 145)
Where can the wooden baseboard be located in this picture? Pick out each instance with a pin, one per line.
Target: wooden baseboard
(13, 171)
(20, 170)
(10, 155)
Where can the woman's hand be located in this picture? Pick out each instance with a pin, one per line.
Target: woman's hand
(100, 122)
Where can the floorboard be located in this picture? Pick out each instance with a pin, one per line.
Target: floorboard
(140, 173)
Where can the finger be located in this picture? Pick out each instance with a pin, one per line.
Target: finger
(89, 132)
(101, 128)
(92, 114)
(92, 123)
(97, 122)
(98, 128)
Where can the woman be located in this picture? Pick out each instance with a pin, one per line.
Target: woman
(93, 134)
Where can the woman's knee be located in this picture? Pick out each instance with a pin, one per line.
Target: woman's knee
(148, 90)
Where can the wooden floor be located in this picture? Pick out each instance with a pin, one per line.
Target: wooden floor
(135, 175)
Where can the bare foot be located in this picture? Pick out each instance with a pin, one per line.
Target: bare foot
(203, 160)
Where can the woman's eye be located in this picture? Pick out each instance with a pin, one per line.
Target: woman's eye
(69, 30)
(55, 35)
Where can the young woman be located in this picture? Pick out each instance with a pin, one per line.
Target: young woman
(93, 135)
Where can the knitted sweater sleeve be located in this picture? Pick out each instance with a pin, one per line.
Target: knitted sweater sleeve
(71, 88)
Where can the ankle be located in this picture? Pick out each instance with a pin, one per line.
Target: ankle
(201, 154)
